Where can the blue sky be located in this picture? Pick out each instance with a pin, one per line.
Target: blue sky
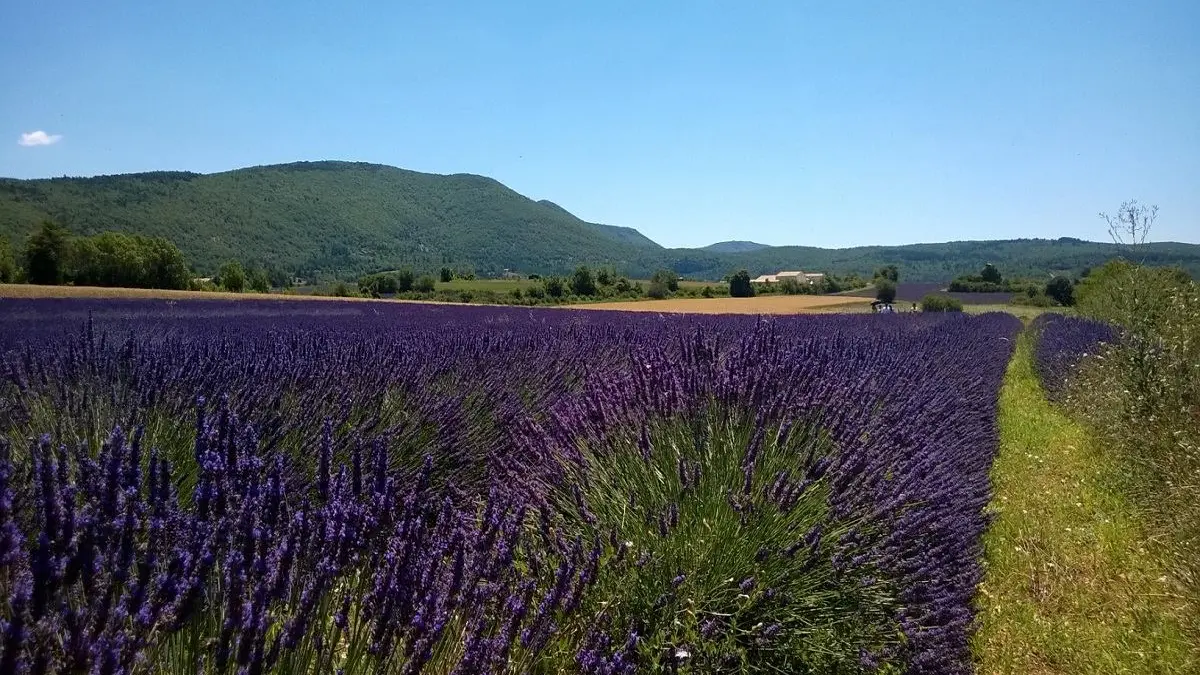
(824, 124)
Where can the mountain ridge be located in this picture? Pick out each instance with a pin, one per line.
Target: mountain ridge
(339, 219)
(734, 246)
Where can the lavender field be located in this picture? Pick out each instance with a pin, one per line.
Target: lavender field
(265, 487)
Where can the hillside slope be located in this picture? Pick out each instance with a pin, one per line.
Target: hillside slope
(734, 247)
(338, 218)
(938, 262)
(341, 219)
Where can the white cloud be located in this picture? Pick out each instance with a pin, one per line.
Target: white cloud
(38, 138)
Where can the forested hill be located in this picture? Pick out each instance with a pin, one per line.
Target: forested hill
(336, 217)
(734, 247)
(941, 262)
(342, 219)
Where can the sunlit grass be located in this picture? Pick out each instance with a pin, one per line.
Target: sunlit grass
(1072, 585)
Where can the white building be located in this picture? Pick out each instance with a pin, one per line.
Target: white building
(809, 278)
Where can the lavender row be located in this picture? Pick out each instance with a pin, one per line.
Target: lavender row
(386, 490)
(1062, 343)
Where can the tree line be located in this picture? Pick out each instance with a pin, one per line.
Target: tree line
(52, 256)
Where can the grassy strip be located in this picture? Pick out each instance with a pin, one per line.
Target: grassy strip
(1071, 585)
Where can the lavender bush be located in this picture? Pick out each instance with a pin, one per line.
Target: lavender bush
(251, 487)
(1062, 343)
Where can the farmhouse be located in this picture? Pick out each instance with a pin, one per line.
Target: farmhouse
(808, 277)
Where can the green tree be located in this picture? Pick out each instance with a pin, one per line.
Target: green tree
(885, 291)
(446, 275)
(668, 278)
(657, 289)
(165, 265)
(889, 272)
(424, 284)
(990, 274)
(1062, 290)
(232, 277)
(740, 286)
(582, 281)
(555, 287)
(605, 276)
(117, 259)
(792, 286)
(258, 281)
(279, 278)
(404, 281)
(46, 254)
(8, 264)
(936, 302)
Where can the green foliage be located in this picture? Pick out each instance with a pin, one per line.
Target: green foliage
(8, 263)
(375, 285)
(258, 281)
(708, 568)
(1143, 398)
(386, 283)
(115, 259)
(1033, 297)
(707, 292)
(1072, 578)
(46, 254)
(657, 290)
(792, 286)
(667, 278)
(740, 286)
(976, 284)
(232, 277)
(885, 290)
(340, 220)
(888, 272)
(555, 287)
(404, 281)
(990, 274)
(582, 282)
(446, 275)
(936, 302)
(606, 276)
(341, 290)
(423, 284)
(326, 219)
(1061, 290)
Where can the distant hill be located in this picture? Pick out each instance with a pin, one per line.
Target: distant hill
(342, 219)
(617, 232)
(336, 218)
(937, 262)
(734, 247)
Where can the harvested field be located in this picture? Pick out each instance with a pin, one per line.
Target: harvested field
(765, 304)
(770, 304)
(32, 291)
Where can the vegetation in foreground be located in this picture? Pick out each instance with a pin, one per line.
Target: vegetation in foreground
(495, 490)
(1141, 395)
(1073, 582)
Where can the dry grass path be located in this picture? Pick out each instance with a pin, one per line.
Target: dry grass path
(1071, 585)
